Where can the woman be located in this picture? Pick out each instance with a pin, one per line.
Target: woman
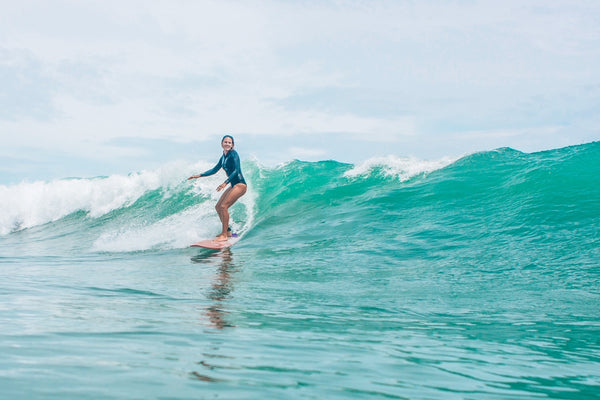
(230, 162)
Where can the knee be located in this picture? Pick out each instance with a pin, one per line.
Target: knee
(220, 208)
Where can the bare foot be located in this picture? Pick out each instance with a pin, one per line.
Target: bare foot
(220, 238)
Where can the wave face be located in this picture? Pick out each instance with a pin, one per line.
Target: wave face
(502, 199)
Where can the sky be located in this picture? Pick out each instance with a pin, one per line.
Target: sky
(92, 88)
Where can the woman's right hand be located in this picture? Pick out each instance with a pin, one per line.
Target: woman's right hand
(194, 176)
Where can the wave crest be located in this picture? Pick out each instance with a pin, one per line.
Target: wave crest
(398, 167)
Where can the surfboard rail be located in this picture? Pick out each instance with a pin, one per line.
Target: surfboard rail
(216, 244)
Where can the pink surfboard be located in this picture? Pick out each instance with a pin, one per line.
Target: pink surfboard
(215, 244)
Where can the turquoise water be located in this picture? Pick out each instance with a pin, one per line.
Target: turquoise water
(475, 278)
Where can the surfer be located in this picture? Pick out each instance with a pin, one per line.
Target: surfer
(230, 162)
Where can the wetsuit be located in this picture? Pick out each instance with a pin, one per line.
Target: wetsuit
(230, 162)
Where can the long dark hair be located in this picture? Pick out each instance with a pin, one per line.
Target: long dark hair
(230, 137)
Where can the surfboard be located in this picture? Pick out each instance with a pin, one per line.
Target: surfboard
(215, 244)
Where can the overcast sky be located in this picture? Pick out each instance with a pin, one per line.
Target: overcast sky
(102, 87)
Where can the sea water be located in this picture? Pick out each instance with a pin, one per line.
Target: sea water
(469, 278)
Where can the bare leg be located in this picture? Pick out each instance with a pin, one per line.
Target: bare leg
(230, 196)
(219, 207)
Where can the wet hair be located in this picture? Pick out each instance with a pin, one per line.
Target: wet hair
(230, 137)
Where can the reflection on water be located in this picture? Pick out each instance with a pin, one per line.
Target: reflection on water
(221, 286)
(216, 312)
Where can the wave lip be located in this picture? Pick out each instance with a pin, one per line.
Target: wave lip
(402, 168)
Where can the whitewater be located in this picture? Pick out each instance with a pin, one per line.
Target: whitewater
(460, 278)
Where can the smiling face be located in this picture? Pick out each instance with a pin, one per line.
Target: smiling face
(227, 144)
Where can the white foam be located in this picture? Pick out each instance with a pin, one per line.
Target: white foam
(404, 168)
(29, 204)
(179, 230)
(175, 231)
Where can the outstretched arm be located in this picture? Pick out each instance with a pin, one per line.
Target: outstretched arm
(211, 171)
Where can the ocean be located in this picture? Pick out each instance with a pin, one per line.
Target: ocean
(394, 278)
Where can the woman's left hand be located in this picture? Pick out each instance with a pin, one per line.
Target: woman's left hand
(221, 187)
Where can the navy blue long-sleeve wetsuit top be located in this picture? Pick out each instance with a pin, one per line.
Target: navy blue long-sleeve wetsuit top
(230, 162)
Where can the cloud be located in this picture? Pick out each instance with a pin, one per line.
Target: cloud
(26, 91)
(78, 75)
